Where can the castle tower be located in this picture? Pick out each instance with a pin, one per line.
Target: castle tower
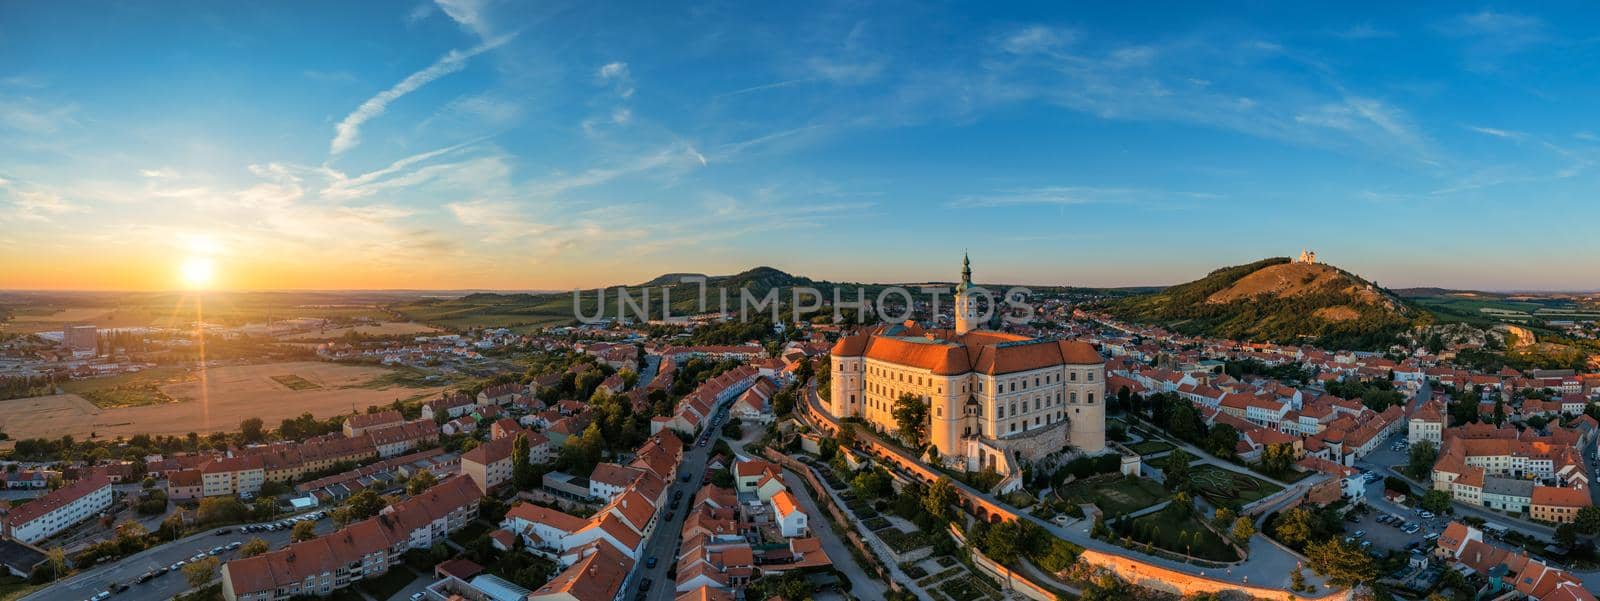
(966, 306)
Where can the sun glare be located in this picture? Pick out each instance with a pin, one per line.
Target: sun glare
(197, 272)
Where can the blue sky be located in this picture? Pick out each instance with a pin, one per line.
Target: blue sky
(474, 144)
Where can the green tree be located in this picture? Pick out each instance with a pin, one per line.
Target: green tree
(941, 496)
(911, 418)
(359, 506)
(253, 547)
(1175, 471)
(1567, 535)
(1277, 459)
(1422, 456)
(1223, 517)
(847, 435)
(199, 573)
(1294, 526)
(522, 472)
(303, 531)
(1437, 501)
(251, 429)
(222, 510)
(1243, 529)
(1222, 440)
(1588, 520)
(420, 481)
(1342, 564)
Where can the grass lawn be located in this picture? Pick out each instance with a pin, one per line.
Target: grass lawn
(1114, 494)
(1165, 529)
(12, 587)
(1151, 447)
(387, 585)
(1224, 487)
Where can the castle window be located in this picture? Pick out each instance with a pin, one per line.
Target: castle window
(1036, 380)
(1091, 398)
(1073, 398)
(1035, 421)
(1013, 408)
(1001, 410)
(1013, 428)
(1091, 376)
(1013, 387)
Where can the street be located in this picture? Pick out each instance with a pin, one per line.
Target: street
(127, 570)
(663, 543)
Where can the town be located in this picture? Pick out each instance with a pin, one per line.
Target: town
(1075, 454)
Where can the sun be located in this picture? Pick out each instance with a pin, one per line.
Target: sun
(197, 272)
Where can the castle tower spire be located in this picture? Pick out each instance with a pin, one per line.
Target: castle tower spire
(966, 307)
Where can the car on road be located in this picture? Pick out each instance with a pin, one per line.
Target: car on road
(1426, 515)
(685, 478)
(416, 596)
(645, 585)
(177, 565)
(650, 563)
(217, 551)
(234, 545)
(100, 595)
(222, 532)
(1360, 534)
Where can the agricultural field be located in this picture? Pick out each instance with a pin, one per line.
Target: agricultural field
(215, 399)
(388, 328)
(40, 312)
(1114, 494)
(129, 390)
(1227, 488)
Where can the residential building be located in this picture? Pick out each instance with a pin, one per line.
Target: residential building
(59, 509)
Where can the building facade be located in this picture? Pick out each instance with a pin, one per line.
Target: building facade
(990, 394)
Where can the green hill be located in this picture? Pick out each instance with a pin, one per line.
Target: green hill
(1278, 301)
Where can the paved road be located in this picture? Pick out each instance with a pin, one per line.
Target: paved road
(652, 364)
(862, 585)
(1382, 459)
(663, 543)
(126, 570)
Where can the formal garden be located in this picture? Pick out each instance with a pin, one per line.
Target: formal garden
(1115, 494)
(1226, 488)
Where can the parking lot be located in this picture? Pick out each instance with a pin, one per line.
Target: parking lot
(1389, 536)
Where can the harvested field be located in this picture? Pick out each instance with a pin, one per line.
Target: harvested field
(217, 401)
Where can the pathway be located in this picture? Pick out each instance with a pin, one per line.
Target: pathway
(861, 583)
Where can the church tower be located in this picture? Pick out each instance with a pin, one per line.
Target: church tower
(966, 305)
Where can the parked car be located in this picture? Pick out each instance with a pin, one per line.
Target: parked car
(650, 563)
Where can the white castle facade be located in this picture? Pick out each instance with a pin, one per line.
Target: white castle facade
(993, 397)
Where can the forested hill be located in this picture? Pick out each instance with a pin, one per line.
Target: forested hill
(1279, 301)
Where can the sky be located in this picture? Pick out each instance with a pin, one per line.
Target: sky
(473, 144)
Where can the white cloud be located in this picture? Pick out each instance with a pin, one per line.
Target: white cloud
(845, 72)
(36, 117)
(469, 14)
(621, 116)
(1498, 133)
(162, 173)
(348, 131)
(40, 205)
(617, 75)
(1037, 39)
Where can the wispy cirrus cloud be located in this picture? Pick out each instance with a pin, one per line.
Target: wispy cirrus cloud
(1073, 195)
(348, 132)
(1498, 133)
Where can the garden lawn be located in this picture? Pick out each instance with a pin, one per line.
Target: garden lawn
(1151, 447)
(1227, 488)
(1114, 494)
(1169, 526)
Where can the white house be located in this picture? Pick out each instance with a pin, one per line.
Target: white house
(786, 513)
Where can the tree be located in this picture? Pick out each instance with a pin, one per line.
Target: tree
(847, 435)
(1223, 517)
(222, 510)
(1423, 454)
(1243, 529)
(1342, 564)
(941, 495)
(1294, 526)
(1175, 472)
(1567, 535)
(303, 531)
(1221, 441)
(911, 417)
(1002, 542)
(199, 573)
(251, 429)
(1437, 501)
(420, 481)
(522, 473)
(253, 547)
(359, 506)
(1588, 520)
(57, 558)
(1277, 459)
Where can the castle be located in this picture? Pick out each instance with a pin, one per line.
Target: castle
(1307, 256)
(993, 397)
